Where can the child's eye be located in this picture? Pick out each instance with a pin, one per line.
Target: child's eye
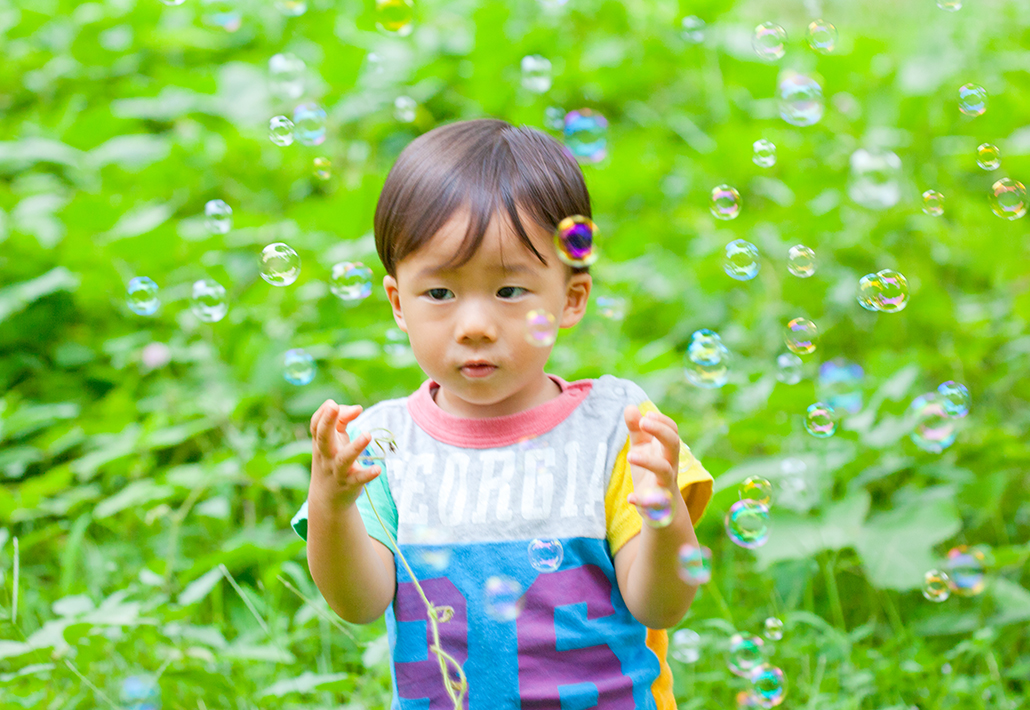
(510, 291)
(439, 294)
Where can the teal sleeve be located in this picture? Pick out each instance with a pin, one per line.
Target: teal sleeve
(383, 499)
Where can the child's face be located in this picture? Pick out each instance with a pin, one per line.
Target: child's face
(476, 313)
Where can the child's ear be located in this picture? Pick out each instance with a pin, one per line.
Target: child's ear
(394, 294)
(577, 293)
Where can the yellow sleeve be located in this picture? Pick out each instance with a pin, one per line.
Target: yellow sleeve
(623, 520)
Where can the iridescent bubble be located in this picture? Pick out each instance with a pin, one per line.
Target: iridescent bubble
(773, 629)
(868, 288)
(611, 307)
(801, 261)
(218, 217)
(395, 16)
(1008, 199)
(972, 100)
(540, 328)
(574, 240)
(933, 203)
(685, 646)
(280, 130)
(840, 384)
(747, 524)
(768, 684)
(768, 41)
(706, 363)
(933, 429)
(724, 202)
(586, 135)
(954, 398)
(350, 281)
(291, 8)
(298, 367)
(950, 5)
(820, 420)
(746, 652)
(822, 36)
(935, 586)
(788, 368)
(746, 699)
(695, 564)
(801, 336)
(756, 488)
(692, 29)
(741, 260)
(223, 14)
(536, 73)
(764, 153)
(309, 124)
(988, 157)
(874, 180)
(208, 302)
(140, 692)
(965, 566)
(405, 109)
(554, 118)
(655, 506)
(545, 555)
(286, 76)
(322, 168)
(800, 99)
(503, 598)
(891, 294)
(141, 296)
(280, 264)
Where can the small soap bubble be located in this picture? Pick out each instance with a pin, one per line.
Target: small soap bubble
(536, 73)
(801, 261)
(223, 14)
(350, 281)
(405, 109)
(397, 343)
(822, 36)
(545, 555)
(309, 124)
(692, 29)
(933, 429)
(322, 168)
(706, 362)
(768, 684)
(954, 398)
(891, 294)
(801, 336)
(764, 153)
(935, 586)
(140, 692)
(1008, 199)
(575, 241)
(685, 646)
(773, 629)
(965, 566)
(280, 264)
(209, 303)
(298, 367)
(933, 203)
(950, 5)
(395, 16)
(800, 99)
(988, 157)
(432, 547)
(612, 307)
(741, 260)
(695, 564)
(586, 135)
(218, 217)
(875, 176)
(540, 328)
(503, 598)
(868, 289)
(768, 41)
(655, 506)
(724, 202)
(788, 368)
(756, 488)
(280, 130)
(840, 384)
(291, 8)
(554, 118)
(972, 100)
(747, 523)
(141, 296)
(286, 76)
(821, 420)
(745, 653)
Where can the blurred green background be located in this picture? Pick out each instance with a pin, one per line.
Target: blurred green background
(150, 500)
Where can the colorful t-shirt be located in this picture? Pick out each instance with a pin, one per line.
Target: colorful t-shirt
(464, 498)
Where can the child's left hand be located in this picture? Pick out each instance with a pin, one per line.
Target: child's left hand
(654, 451)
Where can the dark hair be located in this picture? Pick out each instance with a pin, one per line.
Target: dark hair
(482, 165)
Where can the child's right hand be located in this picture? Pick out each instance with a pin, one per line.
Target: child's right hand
(335, 479)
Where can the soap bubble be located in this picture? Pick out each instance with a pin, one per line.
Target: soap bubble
(933, 203)
(840, 384)
(706, 363)
(405, 109)
(545, 555)
(286, 76)
(554, 118)
(540, 328)
(208, 302)
(432, 546)
(140, 692)
(655, 506)
(954, 398)
(1008, 199)
(768, 41)
(874, 180)
(935, 586)
(695, 564)
(950, 5)
(822, 36)
(280, 264)
(933, 429)
(747, 524)
(800, 99)
(891, 294)
(586, 135)
(172, 3)
(965, 566)
(972, 100)
(280, 130)
(291, 8)
(351, 281)
(503, 599)
(788, 368)
(397, 343)
(395, 16)
(685, 646)
(820, 420)
(764, 153)
(536, 73)
(741, 261)
(868, 288)
(725, 202)
(322, 168)
(298, 367)
(309, 124)
(801, 336)
(756, 488)
(773, 629)
(692, 29)
(801, 261)
(746, 652)
(612, 307)
(988, 157)
(218, 217)
(141, 296)
(223, 14)
(768, 683)
(746, 699)
(574, 240)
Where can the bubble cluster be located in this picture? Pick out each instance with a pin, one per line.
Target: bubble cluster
(801, 261)
(692, 29)
(140, 692)
(298, 367)
(933, 429)
(574, 240)
(965, 566)
(217, 217)
(763, 153)
(747, 524)
(545, 555)
(611, 307)
(395, 16)
(503, 598)
(801, 336)
(724, 202)
(773, 629)
(586, 135)
(536, 73)
(141, 296)
(988, 156)
(746, 652)
(756, 488)
(685, 646)
(821, 420)
(280, 264)
(972, 99)
(1008, 199)
(788, 368)
(954, 398)
(840, 384)
(706, 363)
(350, 281)
(822, 36)
(655, 506)
(741, 260)
(280, 130)
(933, 203)
(405, 109)
(309, 124)
(885, 291)
(875, 176)
(800, 99)
(208, 302)
(540, 328)
(695, 564)
(768, 685)
(935, 586)
(769, 41)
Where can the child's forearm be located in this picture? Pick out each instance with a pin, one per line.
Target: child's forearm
(345, 564)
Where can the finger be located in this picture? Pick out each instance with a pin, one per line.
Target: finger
(318, 414)
(353, 449)
(632, 416)
(366, 475)
(666, 434)
(324, 435)
(346, 416)
(652, 462)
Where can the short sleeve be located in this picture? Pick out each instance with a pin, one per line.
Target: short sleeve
(623, 520)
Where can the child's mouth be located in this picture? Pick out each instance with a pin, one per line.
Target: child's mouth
(478, 369)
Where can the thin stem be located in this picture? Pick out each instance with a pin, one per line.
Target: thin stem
(316, 609)
(250, 605)
(86, 680)
(14, 602)
(817, 681)
(830, 576)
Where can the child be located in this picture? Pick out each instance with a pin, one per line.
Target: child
(491, 453)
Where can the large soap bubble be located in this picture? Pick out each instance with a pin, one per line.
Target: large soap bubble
(800, 99)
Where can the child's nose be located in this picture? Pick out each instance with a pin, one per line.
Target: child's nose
(475, 324)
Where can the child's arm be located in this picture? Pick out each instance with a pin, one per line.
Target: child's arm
(354, 572)
(647, 565)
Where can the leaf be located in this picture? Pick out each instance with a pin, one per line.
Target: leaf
(131, 151)
(17, 297)
(794, 537)
(254, 652)
(73, 606)
(1011, 601)
(139, 220)
(135, 494)
(308, 682)
(200, 587)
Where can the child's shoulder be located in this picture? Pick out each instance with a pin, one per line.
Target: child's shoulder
(617, 388)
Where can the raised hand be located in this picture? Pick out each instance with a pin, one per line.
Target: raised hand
(654, 451)
(335, 478)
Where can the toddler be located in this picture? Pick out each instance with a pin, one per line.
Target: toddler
(524, 578)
